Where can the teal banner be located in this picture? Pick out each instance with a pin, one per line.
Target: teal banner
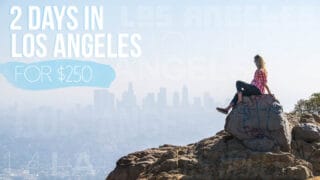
(55, 74)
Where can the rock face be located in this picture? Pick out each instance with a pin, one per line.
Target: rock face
(308, 132)
(231, 155)
(259, 122)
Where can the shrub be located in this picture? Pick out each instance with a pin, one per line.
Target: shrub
(311, 105)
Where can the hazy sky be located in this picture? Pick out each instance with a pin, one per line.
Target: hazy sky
(206, 45)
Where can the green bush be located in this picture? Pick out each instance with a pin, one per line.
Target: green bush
(311, 105)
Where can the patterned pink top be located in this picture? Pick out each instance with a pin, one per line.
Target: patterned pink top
(260, 80)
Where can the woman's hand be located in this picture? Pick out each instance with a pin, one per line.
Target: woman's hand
(269, 92)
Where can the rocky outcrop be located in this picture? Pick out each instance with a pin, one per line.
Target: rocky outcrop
(229, 156)
(259, 122)
(306, 144)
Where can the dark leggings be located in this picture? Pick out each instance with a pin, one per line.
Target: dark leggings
(246, 89)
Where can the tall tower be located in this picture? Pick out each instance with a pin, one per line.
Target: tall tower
(162, 98)
(176, 99)
(185, 97)
(128, 98)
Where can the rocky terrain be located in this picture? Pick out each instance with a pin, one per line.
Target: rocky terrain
(259, 141)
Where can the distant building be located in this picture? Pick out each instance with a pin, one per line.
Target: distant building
(176, 100)
(128, 99)
(162, 98)
(185, 97)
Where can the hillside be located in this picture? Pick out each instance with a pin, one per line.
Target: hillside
(259, 141)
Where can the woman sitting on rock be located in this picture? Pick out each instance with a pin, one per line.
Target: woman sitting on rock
(257, 86)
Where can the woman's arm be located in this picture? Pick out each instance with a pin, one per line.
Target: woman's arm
(267, 87)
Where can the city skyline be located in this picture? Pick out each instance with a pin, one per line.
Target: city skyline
(102, 132)
(159, 98)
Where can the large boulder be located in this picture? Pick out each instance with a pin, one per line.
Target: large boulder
(306, 140)
(308, 132)
(261, 125)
